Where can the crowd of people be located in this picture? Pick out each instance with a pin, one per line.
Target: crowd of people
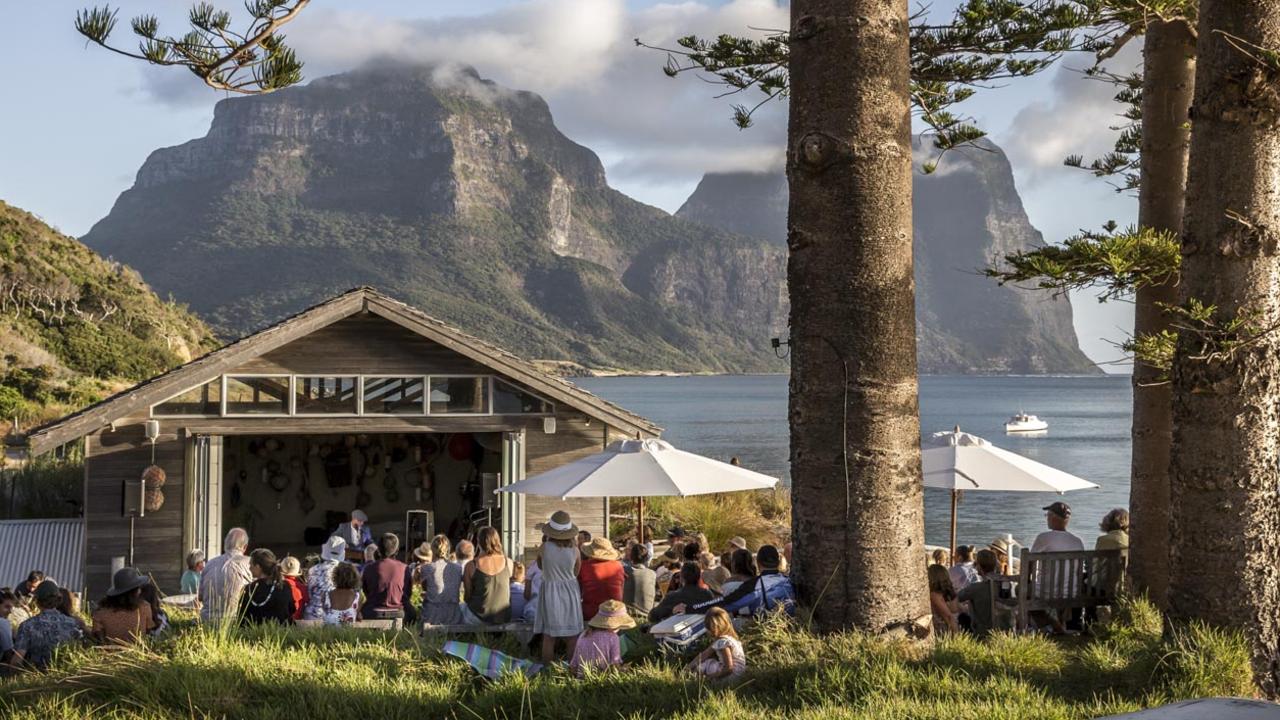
(576, 595)
(960, 594)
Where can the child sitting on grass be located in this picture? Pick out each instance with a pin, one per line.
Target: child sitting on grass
(599, 646)
(724, 658)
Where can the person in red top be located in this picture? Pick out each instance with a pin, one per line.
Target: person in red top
(291, 569)
(601, 576)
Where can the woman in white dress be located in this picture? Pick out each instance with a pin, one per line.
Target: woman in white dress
(559, 614)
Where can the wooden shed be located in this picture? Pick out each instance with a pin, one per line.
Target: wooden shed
(359, 402)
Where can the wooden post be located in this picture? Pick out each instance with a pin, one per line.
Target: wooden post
(955, 499)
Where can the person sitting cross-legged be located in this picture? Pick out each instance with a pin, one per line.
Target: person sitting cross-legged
(978, 595)
(123, 616)
(766, 592)
(36, 639)
(599, 647)
(689, 594)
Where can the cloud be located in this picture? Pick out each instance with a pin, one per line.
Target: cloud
(581, 56)
(1076, 119)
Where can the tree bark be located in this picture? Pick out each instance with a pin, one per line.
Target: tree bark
(1225, 522)
(1168, 61)
(858, 511)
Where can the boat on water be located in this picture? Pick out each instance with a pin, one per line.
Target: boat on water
(1024, 423)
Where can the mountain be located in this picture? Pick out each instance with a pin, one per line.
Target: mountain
(75, 327)
(967, 214)
(456, 195)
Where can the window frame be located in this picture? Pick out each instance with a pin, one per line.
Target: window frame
(289, 397)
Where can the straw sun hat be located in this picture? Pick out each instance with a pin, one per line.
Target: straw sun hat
(600, 549)
(290, 566)
(559, 527)
(423, 552)
(612, 615)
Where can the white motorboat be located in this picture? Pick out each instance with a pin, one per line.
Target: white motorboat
(1024, 423)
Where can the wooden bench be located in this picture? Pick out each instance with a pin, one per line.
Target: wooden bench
(1068, 580)
(395, 624)
(511, 627)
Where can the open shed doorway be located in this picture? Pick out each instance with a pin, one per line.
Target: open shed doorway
(291, 491)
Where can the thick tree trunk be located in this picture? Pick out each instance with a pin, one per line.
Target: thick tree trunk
(1225, 472)
(1168, 61)
(858, 512)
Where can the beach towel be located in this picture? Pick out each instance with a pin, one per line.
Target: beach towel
(489, 662)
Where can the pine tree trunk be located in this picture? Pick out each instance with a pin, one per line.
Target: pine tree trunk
(858, 511)
(1168, 61)
(1225, 471)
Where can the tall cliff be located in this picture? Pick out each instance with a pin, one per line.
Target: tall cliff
(967, 214)
(454, 194)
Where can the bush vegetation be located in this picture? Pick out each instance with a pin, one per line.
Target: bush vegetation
(759, 517)
(334, 673)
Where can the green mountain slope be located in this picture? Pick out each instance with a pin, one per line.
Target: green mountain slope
(74, 326)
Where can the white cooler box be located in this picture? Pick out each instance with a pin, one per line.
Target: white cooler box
(678, 632)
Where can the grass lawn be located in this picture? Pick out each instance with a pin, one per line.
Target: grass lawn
(366, 675)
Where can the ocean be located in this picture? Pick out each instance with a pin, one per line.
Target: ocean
(746, 417)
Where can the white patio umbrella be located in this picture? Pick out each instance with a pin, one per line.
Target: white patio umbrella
(640, 469)
(958, 461)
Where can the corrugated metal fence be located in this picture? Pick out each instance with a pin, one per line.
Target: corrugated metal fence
(55, 547)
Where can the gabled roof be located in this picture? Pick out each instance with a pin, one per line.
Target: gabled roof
(362, 299)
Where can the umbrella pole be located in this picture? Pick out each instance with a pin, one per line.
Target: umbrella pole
(955, 499)
(640, 520)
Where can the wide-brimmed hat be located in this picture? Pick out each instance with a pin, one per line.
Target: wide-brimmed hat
(423, 552)
(559, 527)
(999, 545)
(126, 580)
(612, 615)
(335, 548)
(290, 566)
(600, 549)
(738, 541)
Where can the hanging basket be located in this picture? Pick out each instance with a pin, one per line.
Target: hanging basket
(153, 499)
(153, 478)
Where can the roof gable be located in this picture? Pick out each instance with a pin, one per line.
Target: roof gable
(245, 350)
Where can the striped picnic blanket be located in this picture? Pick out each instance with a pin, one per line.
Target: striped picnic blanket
(489, 662)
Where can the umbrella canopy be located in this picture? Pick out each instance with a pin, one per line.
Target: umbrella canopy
(641, 468)
(956, 460)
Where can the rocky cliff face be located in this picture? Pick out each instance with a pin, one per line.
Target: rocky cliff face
(966, 215)
(456, 195)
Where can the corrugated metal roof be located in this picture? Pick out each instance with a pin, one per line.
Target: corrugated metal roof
(55, 547)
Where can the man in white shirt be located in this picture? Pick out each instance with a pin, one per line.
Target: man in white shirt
(1056, 539)
(223, 579)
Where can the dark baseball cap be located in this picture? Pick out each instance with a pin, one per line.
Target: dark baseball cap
(677, 532)
(1060, 509)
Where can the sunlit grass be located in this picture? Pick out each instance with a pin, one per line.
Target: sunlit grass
(336, 673)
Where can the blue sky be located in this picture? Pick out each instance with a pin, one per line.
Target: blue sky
(78, 122)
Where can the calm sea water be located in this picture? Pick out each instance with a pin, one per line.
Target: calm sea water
(746, 416)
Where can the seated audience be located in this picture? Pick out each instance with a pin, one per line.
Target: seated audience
(963, 572)
(343, 602)
(36, 639)
(267, 598)
(689, 594)
(486, 583)
(532, 586)
(742, 568)
(978, 595)
(190, 583)
(689, 552)
(517, 591)
(599, 647)
(584, 538)
(224, 578)
(664, 567)
(725, 657)
(291, 571)
(640, 584)
(123, 616)
(1056, 539)
(1115, 531)
(320, 578)
(940, 556)
(766, 592)
(463, 553)
(26, 590)
(942, 599)
(70, 606)
(7, 602)
(600, 576)
(383, 580)
(151, 596)
(441, 586)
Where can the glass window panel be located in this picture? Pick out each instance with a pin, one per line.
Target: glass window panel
(324, 395)
(460, 395)
(258, 395)
(393, 396)
(205, 399)
(511, 400)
